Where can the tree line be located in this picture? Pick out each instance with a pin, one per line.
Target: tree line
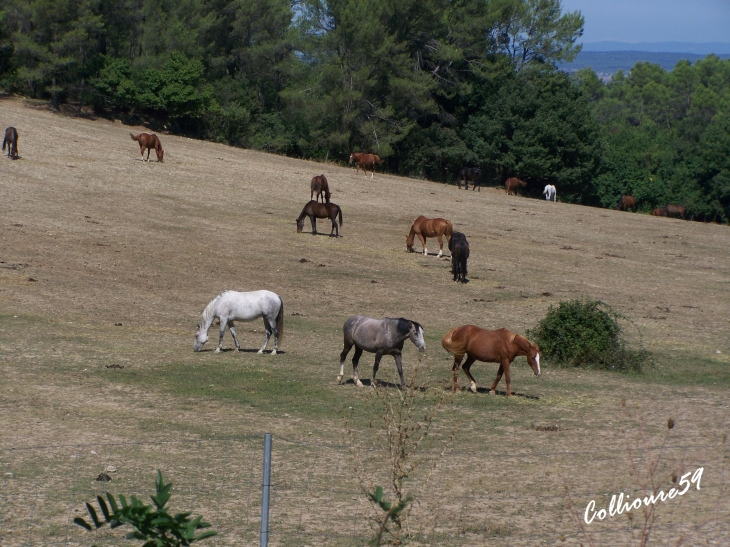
(431, 86)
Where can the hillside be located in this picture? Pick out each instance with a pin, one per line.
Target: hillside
(106, 263)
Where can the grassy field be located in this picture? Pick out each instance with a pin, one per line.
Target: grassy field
(106, 263)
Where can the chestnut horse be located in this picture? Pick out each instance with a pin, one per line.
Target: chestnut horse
(670, 210)
(320, 188)
(148, 142)
(659, 212)
(490, 346)
(626, 203)
(512, 183)
(469, 174)
(315, 210)
(11, 139)
(365, 160)
(429, 227)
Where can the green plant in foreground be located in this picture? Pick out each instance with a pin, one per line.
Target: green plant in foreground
(152, 523)
(586, 334)
(392, 512)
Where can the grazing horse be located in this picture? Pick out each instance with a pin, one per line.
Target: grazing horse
(469, 174)
(550, 193)
(365, 160)
(320, 188)
(512, 184)
(429, 227)
(315, 210)
(670, 210)
(659, 212)
(459, 247)
(11, 139)
(381, 337)
(490, 346)
(230, 306)
(148, 142)
(626, 203)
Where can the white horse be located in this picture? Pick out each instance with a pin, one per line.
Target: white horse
(230, 306)
(550, 193)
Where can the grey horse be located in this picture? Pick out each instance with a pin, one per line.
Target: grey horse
(381, 337)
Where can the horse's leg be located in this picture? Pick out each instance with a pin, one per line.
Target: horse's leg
(313, 220)
(492, 390)
(233, 333)
(399, 364)
(267, 327)
(276, 335)
(506, 378)
(455, 371)
(423, 242)
(355, 361)
(343, 355)
(223, 323)
(376, 366)
(467, 365)
(441, 244)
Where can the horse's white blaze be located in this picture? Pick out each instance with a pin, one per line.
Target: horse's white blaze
(537, 360)
(420, 343)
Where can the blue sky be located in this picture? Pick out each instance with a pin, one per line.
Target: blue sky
(654, 20)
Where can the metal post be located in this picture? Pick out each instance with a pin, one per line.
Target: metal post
(265, 487)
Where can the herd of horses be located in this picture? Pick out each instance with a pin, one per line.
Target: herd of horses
(628, 203)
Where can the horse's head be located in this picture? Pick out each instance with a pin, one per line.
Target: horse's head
(529, 350)
(415, 334)
(201, 337)
(300, 225)
(410, 238)
(160, 155)
(352, 158)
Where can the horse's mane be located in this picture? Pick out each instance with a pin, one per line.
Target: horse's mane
(208, 311)
(404, 325)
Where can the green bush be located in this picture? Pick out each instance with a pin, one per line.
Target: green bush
(586, 334)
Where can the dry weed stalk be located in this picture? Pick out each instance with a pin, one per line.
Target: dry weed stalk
(401, 425)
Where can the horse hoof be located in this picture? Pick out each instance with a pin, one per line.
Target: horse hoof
(473, 388)
(217, 350)
(339, 380)
(491, 392)
(260, 351)
(273, 352)
(358, 383)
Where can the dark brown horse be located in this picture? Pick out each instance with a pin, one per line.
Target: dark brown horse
(490, 346)
(365, 160)
(512, 184)
(626, 203)
(459, 247)
(315, 210)
(11, 139)
(148, 142)
(671, 210)
(659, 212)
(320, 188)
(429, 227)
(469, 174)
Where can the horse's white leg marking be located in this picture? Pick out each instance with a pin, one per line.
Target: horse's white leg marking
(341, 375)
(358, 382)
(473, 387)
(441, 252)
(425, 251)
(266, 342)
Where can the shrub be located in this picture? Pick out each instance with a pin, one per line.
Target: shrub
(586, 334)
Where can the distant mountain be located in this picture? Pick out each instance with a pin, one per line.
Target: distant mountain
(605, 63)
(702, 48)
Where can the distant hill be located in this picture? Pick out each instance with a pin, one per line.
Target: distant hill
(701, 48)
(609, 62)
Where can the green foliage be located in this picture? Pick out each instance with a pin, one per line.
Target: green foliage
(586, 334)
(152, 523)
(391, 512)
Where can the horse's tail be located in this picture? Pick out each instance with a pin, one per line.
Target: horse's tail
(4, 141)
(339, 212)
(280, 320)
(449, 229)
(134, 137)
(455, 347)
(377, 158)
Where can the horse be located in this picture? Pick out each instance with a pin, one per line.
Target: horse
(469, 174)
(315, 210)
(626, 203)
(670, 210)
(381, 337)
(550, 193)
(490, 346)
(429, 227)
(320, 188)
(512, 183)
(459, 247)
(230, 306)
(148, 142)
(365, 160)
(659, 212)
(11, 139)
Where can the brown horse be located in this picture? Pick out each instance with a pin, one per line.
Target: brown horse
(512, 184)
(315, 210)
(320, 188)
(11, 139)
(490, 346)
(365, 160)
(469, 174)
(670, 210)
(626, 203)
(429, 227)
(148, 142)
(659, 212)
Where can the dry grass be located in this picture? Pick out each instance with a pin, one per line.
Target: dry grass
(90, 236)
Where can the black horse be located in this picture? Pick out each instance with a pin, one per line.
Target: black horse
(469, 174)
(459, 247)
(11, 139)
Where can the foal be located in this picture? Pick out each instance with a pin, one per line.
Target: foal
(148, 142)
(11, 138)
